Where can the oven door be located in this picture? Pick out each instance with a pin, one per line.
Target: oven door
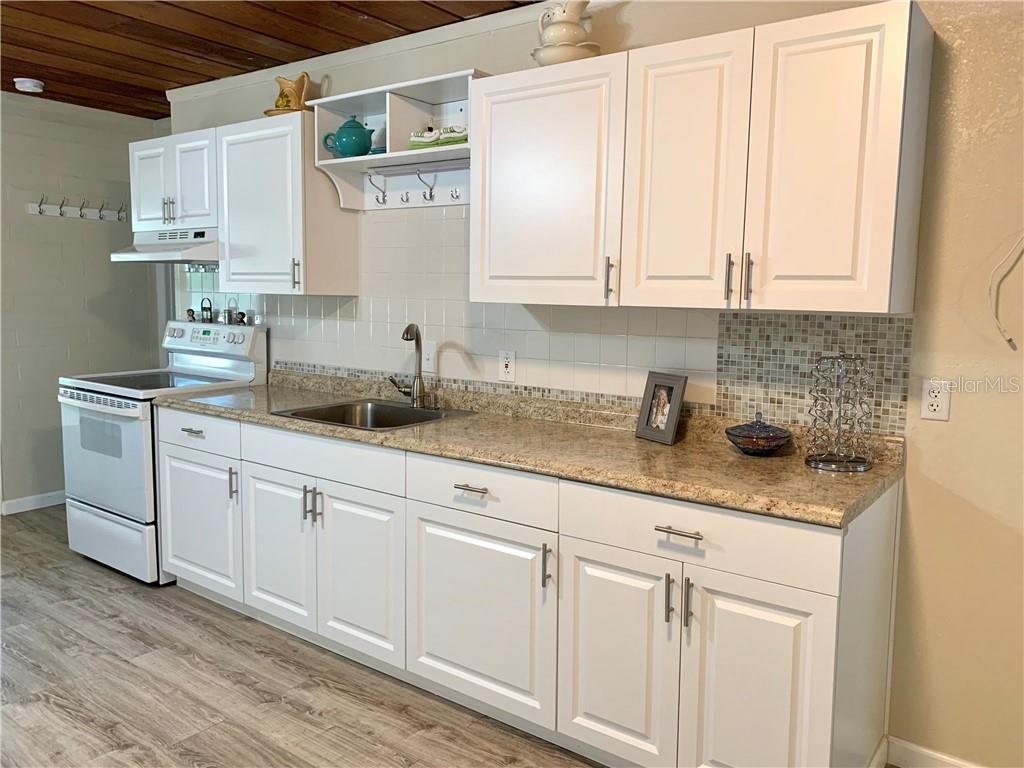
(108, 453)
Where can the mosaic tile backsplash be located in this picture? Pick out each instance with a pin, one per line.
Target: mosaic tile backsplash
(414, 268)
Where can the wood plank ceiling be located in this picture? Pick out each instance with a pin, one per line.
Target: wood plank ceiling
(122, 56)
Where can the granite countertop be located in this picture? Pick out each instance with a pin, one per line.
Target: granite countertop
(703, 467)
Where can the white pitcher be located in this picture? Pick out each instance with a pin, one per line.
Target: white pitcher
(562, 24)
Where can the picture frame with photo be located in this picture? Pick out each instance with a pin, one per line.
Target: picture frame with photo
(661, 407)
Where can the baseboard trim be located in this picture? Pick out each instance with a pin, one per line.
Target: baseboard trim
(906, 755)
(27, 503)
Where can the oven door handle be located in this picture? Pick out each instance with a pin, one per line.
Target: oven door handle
(137, 411)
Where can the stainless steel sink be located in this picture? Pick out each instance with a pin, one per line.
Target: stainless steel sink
(374, 415)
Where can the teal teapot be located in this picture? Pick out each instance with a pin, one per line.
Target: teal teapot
(352, 139)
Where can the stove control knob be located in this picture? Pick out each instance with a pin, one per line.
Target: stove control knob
(231, 338)
(181, 332)
(239, 338)
(170, 333)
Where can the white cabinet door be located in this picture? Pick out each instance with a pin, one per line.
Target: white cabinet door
(687, 118)
(757, 673)
(618, 649)
(148, 174)
(361, 570)
(481, 615)
(825, 134)
(201, 519)
(193, 176)
(280, 543)
(260, 235)
(546, 182)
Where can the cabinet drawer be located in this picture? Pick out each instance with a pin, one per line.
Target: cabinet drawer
(519, 497)
(203, 433)
(797, 554)
(365, 466)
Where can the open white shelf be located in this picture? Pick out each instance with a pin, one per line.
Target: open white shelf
(394, 112)
(408, 157)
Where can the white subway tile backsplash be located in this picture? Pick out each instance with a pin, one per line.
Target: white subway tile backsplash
(613, 350)
(414, 267)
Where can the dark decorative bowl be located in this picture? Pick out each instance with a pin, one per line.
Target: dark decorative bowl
(757, 437)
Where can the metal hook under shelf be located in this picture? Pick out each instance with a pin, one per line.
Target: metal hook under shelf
(456, 193)
(42, 202)
(81, 208)
(99, 211)
(121, 214)
(382, 198)
(405, 197)
(428, 196)
(60, 208)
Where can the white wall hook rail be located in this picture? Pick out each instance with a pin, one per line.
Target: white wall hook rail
(42, 208)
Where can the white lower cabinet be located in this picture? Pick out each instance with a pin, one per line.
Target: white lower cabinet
(360, 572)
(757, 673)
(280, 543)
(618, 659)
(201, 518)
(481, 609)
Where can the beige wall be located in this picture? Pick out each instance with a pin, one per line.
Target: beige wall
(65, 307)
(957, 667)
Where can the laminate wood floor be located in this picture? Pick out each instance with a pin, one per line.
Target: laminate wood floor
(99, 670)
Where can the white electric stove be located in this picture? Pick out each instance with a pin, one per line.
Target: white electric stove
(109, 450)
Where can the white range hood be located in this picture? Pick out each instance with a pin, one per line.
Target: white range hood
(175, 246)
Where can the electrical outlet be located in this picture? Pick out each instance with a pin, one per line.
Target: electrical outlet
(430, 357)
(935, 399)
(506, 366)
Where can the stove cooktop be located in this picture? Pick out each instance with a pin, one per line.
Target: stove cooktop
(152, 380)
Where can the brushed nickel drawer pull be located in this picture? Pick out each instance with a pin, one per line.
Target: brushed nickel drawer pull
(545, 550)
(668, 598)
(232, 487)
(192, 432)
(687, 613)
(695, 535)
(320, 513)
(313, 493)
(471, 488)
(295, 274)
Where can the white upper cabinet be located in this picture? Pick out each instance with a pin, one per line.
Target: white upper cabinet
(280, 229)
(194, 169)
(618, 650)
(837, 128)
(546, 182)
(174, 182)
(757, 673)
(778, 167)
(261, 232)
(687, 118)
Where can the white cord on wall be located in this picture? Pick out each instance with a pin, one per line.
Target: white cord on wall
(1014, 253)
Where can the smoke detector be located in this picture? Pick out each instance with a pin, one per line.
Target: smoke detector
(28, 85)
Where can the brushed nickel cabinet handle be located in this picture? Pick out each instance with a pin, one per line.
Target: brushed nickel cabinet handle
(728, 276)
(748, 276)
(687, 613)
(163, 210)
(295, 273)
(305, 509)
(695, 535)
(608, 266)
(174, 215)
(192, 432)
(471, 488)
(232, 486)
(668, 598)
(545, 550)
(318, 513)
